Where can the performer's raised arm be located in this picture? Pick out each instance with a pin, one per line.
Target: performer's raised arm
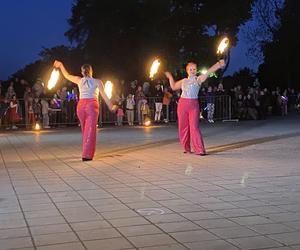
(71, 78)
(174, 85)
(202, 78)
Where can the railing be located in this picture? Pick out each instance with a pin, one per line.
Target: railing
(169, 113)
(65, 113)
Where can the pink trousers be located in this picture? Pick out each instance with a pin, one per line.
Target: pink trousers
(188, 125)
(88, 112)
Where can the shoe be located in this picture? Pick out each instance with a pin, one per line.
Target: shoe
(14, 127)
(87, 159)
(202, 154)
(212, 121)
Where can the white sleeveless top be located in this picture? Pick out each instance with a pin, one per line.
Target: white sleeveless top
(190, 88)
(88, 88)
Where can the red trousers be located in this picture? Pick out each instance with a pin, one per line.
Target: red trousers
(88, 112)
(188, 125)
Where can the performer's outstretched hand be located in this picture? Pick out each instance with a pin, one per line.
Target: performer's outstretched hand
(222, 63)
(168, 75)
(57, 64)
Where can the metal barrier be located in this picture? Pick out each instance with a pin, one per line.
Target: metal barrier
(169, 113)
(64, 113)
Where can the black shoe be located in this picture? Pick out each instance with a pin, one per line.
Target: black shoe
(86, 159)
(202, 154)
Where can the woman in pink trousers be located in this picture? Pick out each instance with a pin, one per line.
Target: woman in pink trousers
(188, 107)
(88, 106)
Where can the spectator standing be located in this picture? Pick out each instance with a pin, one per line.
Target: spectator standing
(210, 102)
(130, 103)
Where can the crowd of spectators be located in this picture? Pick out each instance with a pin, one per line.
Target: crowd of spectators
(24, 104)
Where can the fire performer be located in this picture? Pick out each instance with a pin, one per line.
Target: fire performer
(88, 106)
(188, 106)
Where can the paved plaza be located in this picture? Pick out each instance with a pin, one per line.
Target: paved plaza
(142, 192)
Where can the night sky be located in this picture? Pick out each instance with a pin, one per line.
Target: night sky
(29, 25)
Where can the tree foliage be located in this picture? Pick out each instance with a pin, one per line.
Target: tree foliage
(124, 35)
(281, 66)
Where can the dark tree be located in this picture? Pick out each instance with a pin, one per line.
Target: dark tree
(281, 66)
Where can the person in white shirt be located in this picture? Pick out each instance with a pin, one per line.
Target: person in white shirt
(188, 107)
(88, 105)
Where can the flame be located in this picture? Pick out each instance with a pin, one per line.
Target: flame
(223, 45)
(154, 68)
(37, 126)
(108, 89)
(148, 123)
(53, 78)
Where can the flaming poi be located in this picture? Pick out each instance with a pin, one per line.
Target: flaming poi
(154, 68)
(53, 79)
(108, 87)
(223, 45)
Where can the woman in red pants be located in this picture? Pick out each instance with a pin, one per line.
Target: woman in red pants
(188, 107)
(88, 106)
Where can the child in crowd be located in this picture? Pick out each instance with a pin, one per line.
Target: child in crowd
(210, 101)
(120, 115)
(130, 103)
(145, 110)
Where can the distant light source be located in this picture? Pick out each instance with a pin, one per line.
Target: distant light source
(147, 122)
(37, 126)
(108, 89)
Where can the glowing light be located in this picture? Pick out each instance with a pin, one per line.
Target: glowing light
(223, 45)
(203, 71)
(108, 89)
(154, 68)
(147, 123)
(37, 126)
(53, 79)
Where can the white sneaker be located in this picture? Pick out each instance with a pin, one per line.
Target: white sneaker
(14, 127)
(212, 121)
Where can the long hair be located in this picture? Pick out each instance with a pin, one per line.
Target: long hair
(86, 70)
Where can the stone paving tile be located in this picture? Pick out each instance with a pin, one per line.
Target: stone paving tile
(90, 225)
(216, 223)
(182, 226)
(151, 240)
(292, 238)
(139, 230)
(50, 229)
(14, 233)
(233, 232)
(211, 245)
(119, 214)
(193, 236)
(165, 218)
(234, 212)
(45, 221)
(201, 215)
(98, 234)
(65, 246)
(166, 247)
(257, 242)
(251, 220)
(14, 243)
(133, 221)
(12, 223)
(271, 228)
(108, 244)
(55, 238)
